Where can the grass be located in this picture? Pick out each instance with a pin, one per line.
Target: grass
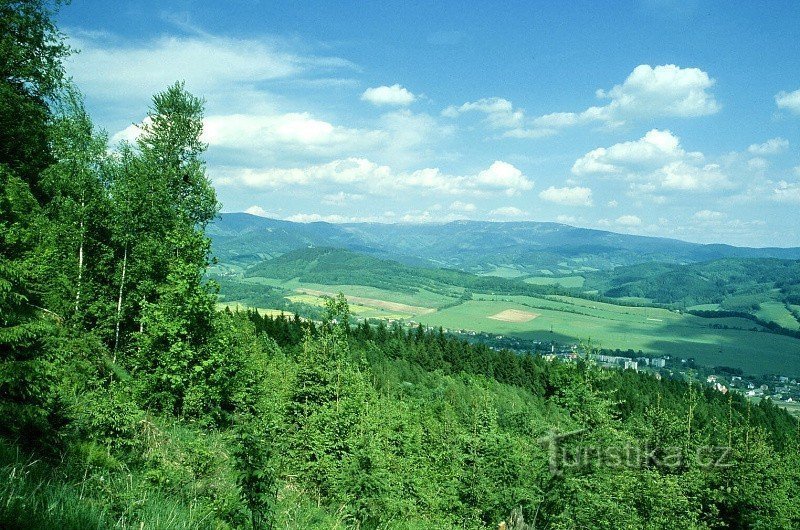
(777, 312)
(502, 271)
(567, 319)
(656, 331)
(358, 310)
(422, 298)
(568, 282)
(77, 496)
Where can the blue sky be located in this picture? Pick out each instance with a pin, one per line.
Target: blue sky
(676, 119)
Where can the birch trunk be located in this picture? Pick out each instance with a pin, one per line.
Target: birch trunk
(80, 270)
(119, 301)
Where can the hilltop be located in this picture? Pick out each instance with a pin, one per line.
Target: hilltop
(475, 246)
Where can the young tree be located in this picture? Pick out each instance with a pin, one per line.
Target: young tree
(170, 257)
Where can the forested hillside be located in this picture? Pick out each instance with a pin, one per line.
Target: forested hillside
(474, 246)
(735, 283)
(129, 401)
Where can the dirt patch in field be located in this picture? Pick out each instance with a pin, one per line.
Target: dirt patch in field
(379, 304)
(514, 315)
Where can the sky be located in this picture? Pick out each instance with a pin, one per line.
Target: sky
(656, 117)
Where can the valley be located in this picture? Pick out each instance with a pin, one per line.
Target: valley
(651, 312)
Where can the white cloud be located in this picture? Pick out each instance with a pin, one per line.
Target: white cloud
(772, 146)
(789, 100)
(259, 211)
(708, 215)
(612, 203)
(367, 176)
(666, 90)
(130, 133)
(576, 196)
(341, 198)
(787, 192)
(655, 161)
(528, 133)
(757, 164)
(316, 218)
(653, 149)
(648, 92)
(684, 176)
(566, 219)
(125, 75)
(503, 176)
(394, 95)
(508, 211)
(459, 206)
(299, 131)
(628, 220)
(500, 113)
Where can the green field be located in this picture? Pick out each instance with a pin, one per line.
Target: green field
(504, 272)
(568, 282)
(422, 297)
(777, 312)
(529, 310)
(651, 330)
(566, 319)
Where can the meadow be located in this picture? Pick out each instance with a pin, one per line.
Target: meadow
(734, 342)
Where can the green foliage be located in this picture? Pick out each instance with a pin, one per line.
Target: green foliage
(129, 402)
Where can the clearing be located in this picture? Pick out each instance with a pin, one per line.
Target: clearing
(372, 302)
(514, 315)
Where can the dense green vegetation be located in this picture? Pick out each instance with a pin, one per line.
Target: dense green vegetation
(459, 300)
(129, 401)
(735, 284)
(508, 249)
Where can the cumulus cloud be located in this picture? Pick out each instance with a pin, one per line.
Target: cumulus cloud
(566, 219)
(708, 215)
(290, 130)
(575, 196)
(648, 92)
(681, 175)
(628, 220)
(789, 100)
(772, 146)
(394, 95)
(341, 198)
(365, 175)
(787, 192)
(508, 211)
(500, 113)
(655, 161)
(459, 206)
(503, 176)
(259, 211)
(653, 149)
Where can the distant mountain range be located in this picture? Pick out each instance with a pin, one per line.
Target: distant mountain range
(474, 246)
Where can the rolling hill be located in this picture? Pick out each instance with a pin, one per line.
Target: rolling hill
(474, 246)
(530, 312)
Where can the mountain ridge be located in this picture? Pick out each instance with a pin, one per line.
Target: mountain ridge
(476, 246)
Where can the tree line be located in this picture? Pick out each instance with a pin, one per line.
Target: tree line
(129, 401)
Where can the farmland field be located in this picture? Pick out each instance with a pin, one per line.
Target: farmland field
(566, 319)
(777, 312)
(650, 330)
(568, 282)
(530, 308)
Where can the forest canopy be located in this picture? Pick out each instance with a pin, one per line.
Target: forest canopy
(129, 401)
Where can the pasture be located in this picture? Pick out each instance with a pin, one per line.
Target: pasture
(650, 330)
